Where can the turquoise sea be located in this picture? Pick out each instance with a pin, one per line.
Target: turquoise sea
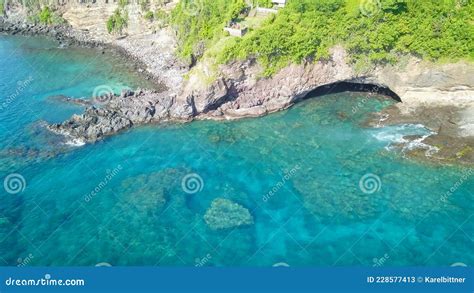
(322, 189)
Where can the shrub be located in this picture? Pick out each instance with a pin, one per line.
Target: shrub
(46, 16)
(122, 3)
(117, 21)
(149, 15)
(202, 21)
(378, 33)
(263, 3)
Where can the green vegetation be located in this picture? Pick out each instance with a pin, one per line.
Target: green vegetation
(464, 152)
(162, 17)
(263, 3)
(38, 11)
(373, 31)
(201, 22)
(149, 15)
(122, 3)
(117, 21)
(46, 15)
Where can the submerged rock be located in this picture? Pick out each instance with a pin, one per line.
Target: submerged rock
(144, 192)
(66, 99)
(225, 214)
(150, 192)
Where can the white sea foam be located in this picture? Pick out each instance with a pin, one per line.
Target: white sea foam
(75, 142)
(396, 134)
(419, 144)
(383, 117)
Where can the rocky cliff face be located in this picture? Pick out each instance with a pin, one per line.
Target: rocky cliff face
(91, 17)
(239, 90)
(142, 40)
(441, 97)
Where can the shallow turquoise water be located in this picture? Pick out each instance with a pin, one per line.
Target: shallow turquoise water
(318, 214)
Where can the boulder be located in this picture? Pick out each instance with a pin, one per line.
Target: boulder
(225, 214)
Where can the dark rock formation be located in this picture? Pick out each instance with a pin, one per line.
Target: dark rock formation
(64, 34)
(120, 112)
(66, 99)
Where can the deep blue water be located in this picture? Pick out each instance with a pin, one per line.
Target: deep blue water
(312, 157)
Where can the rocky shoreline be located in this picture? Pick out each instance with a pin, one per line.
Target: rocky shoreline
(445, 145)
(240, 91)
(66, 36)
(116, 113)
(109, 114)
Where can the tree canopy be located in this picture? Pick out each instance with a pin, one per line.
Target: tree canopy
(372, 31)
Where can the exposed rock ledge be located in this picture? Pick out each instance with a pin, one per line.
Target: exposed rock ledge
(239, 92)
(426, 91)
(119, 112)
